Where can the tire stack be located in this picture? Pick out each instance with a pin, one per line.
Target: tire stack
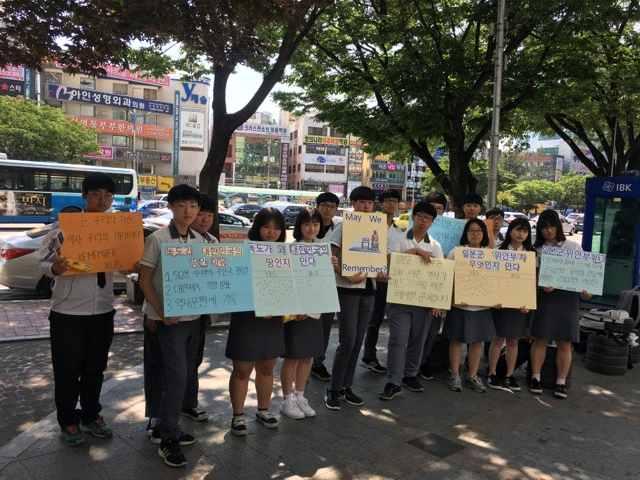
(608, 355)
(634, 352)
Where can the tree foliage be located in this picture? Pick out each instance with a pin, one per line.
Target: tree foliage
(31, 132)
(403, 72)
(213, 37)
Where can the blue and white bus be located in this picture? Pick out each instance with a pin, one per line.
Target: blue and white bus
(35, 192)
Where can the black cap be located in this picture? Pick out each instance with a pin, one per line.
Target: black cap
(96, 181)
(327, 197)
(473, 198)
(362, 193)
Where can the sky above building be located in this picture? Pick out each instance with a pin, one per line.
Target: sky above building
(241, 87)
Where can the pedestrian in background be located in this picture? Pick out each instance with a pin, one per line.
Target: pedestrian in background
(178, 337)
(472, 206)
(81, 326)
(256, 342)
(303, 336)
(389, 200)
(494, 218)
(327, 204)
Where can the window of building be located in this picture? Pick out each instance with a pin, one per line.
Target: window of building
(120, 141)
(53, 77)
(150, 94)
(299, 148)
(87, 110)
(337, 133)
(88, 82)
(102, 112)
(336, 150)
(149, 144)
(312, 148)
(151, 118)
(119, 114)
(121, 88)
(335, 169)
(322, 131)
(311, 167)
(104, 139)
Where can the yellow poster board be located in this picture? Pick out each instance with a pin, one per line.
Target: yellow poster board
(364, 243)
(485, 278)
(101, 242)
(412, 281)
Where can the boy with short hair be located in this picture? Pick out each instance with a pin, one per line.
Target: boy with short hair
(390, 200)
(327, 205)
(410, 325)
(495, 220)
(355, 294)
(472, 206)
(438, 201)
(81, 323)
(177, 337)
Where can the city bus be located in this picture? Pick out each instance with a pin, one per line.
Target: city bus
(35, 192)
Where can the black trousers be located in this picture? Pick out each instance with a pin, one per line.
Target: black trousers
(79, 352)
(373, 329)
(327, 323)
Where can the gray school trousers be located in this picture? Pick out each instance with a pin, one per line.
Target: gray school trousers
(353, 318)
(176, 345)
(408, 329)
(327, 323)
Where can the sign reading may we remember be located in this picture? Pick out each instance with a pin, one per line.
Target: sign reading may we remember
(412, 281)
(486, 278)
(294, 278)
(364, 243)
(101, 242)
(201, 278)
(572, 270)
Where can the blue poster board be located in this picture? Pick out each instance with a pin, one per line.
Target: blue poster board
(273, 282)
(447, 231)
(201, 278)
(314, 278)
(572, 270)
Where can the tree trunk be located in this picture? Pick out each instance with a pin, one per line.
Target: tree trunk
(210, 173)
(460, 176)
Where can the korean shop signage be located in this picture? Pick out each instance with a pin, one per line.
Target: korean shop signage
(72, 94)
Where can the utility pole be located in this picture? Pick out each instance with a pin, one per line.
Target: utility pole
(497, 100)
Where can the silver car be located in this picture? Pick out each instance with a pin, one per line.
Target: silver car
(233, 228)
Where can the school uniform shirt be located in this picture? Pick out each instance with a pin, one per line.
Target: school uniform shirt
(469, 308)
(401, 244)
(74, 294)
(366, 285)
(394, 232)
(151, 258)
(209, 238)
(326, 231)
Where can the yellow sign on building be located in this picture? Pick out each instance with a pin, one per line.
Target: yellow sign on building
(164, 184)
(147, 181)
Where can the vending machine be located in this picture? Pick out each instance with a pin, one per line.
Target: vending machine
(612, 226)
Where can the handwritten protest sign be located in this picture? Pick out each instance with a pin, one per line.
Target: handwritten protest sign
(486, 278)
(292, 278)
(414, 282)
(364, 243)
(314, 278)
(101, 242)
(447, 231)
(572, 270)
(200, 278)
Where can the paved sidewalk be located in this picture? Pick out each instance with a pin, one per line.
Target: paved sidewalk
(29, 319)
(594, 435)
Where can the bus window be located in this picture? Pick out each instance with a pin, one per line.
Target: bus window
(40, 181)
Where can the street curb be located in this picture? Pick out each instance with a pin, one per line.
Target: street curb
(41, 429)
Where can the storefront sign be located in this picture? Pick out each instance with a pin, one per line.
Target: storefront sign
(325, 159)
(11, 87)
(12, 72)
(272, 130)
(104, 153)
(147, 181)
(136, 77)
(122, 127)
(175, 167)
(151, 156)
(72, 94)
(321, 140)
(189, 95)
(284, 161)
(192, 132)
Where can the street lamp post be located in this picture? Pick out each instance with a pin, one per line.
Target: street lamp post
(497, 100)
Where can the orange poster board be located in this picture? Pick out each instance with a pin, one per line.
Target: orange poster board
(101, 242)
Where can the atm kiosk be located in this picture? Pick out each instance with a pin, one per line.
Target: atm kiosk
(612, 226)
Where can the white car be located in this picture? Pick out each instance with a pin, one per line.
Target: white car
(233, 228)
(20, 262)
(510, 216)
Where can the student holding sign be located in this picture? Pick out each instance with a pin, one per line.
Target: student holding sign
(256, 342)
(468, 323)
(511, 324)
(81, 322)
(557, 315)
(409, 325)
(356, 304)
(303, 337)
(178, 338)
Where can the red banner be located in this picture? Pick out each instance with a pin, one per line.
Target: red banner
(122, 127)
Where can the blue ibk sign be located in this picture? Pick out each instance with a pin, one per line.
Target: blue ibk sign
(189, 95)
(72, 94)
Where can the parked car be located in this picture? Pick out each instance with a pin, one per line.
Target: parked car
(567, 227)
(20, 262)
(578, 223)
(150, 207)
(247, 210)
(290, 211)
(510, 216)
(233, 228)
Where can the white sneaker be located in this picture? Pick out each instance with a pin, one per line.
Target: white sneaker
(303, 405)
(291, 409)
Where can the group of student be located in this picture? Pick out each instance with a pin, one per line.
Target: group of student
(82, 315)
